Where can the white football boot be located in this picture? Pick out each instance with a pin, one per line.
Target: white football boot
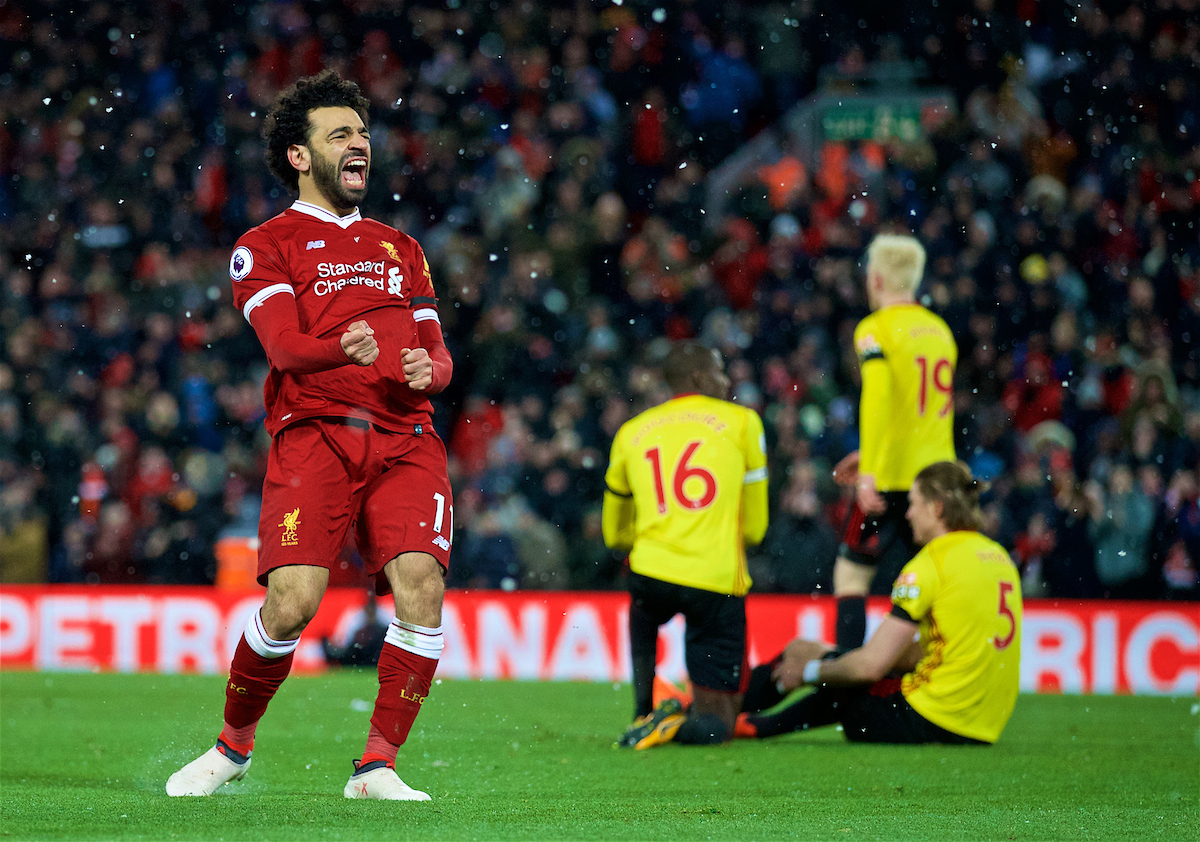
(381, 783)
(206, 774)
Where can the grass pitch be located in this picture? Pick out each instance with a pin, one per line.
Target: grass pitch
(86, 757)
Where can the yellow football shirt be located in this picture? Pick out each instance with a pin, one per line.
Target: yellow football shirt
(687, 488)
(906, 413)
(964, 592)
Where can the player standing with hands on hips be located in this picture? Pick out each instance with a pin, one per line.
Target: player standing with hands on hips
(686, 492)
(907, 358)
(345, 310)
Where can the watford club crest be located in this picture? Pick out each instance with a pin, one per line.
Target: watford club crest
(391, 250)
(290, 521)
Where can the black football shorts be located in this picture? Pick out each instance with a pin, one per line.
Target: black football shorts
(870, 539)
(715, 636)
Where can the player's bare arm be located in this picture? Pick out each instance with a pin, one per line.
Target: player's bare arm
(845, 472)
(359, 343)
(910, 657)
(869, 499)
(790, 670)
(890, 646)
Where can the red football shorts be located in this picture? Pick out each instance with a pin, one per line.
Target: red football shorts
(325, 477)
(868, 538)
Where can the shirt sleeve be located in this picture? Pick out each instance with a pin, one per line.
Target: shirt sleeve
(617, 516)
(262, 289)
(278, 328)
(916, 586)
(258, 272)
(876, 395)
(422, 298)
(616, 478)
(755, 506)
(429, 324)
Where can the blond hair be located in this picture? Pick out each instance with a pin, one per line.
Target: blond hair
(900, 261)
(952, 485)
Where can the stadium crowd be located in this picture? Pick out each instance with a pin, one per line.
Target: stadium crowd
(553, 158)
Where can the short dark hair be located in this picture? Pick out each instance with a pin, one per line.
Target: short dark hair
(952, 485)
(682, 361)
(287, 121)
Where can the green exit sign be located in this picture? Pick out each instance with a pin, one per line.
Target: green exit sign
(882, 121)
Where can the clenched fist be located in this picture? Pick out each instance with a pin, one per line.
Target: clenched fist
(358, 342)
(418, 368)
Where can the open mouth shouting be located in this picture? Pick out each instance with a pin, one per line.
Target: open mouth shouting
(354, 173)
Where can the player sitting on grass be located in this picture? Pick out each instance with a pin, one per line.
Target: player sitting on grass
(958, 682)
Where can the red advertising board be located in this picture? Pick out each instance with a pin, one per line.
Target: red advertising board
(1068, 647)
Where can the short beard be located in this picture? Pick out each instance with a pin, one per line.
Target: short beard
(327, 176)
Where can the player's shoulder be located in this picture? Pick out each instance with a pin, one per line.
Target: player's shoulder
(943, 547)
(922, 573)
(620, 441)
(985, 548)
(282, 232)
(936, 320)
(868, 322)
(639, 420)
(264, 244)
(653, 417)
(746, 415)
(967, 547)
(921, 569)
(384, 231)
(918, 316)
(273, 230)
(869, 336)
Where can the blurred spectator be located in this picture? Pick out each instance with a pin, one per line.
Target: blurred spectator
(592, 565)
(1122, 518)
(1179, 537)
(364, 638)
(796, 556)
(1070, 571)
(24, 539)
(1033, 396)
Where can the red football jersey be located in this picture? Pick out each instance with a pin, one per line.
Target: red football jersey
(339, 270)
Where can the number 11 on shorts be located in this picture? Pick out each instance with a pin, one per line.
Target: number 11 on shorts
(439, 514)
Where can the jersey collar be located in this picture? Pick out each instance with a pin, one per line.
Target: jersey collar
(325, 216)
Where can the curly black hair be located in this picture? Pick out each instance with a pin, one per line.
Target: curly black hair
(287, 121)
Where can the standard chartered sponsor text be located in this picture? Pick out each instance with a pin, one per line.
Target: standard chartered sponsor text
(334, 271)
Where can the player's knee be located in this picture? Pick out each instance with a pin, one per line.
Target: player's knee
(851, 578)
(293, 595)
(286, 617)
(418, 586)
(425, 583)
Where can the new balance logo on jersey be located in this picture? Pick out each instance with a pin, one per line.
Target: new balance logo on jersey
(441, 542)
(314, 244)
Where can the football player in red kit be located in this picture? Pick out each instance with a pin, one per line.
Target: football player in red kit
(345, 310)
